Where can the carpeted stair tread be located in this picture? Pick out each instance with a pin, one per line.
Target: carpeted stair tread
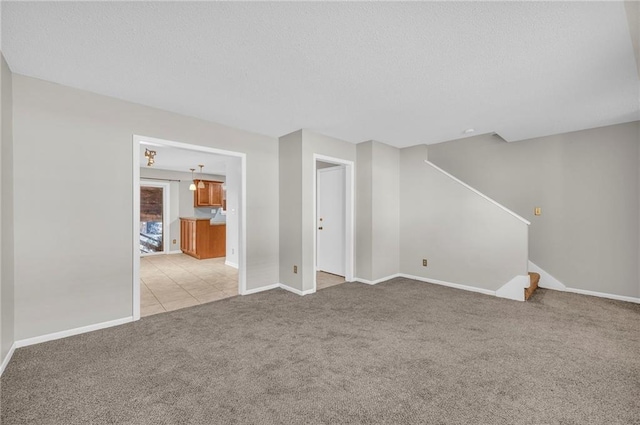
(535, 278)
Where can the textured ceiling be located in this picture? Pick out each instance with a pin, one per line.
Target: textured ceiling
(400, 73)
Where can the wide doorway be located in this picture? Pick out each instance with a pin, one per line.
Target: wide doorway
(189, 221)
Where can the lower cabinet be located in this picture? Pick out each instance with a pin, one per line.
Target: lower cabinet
(201, 239)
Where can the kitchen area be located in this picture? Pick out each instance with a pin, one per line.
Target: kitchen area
(199, 262)
(205, 237)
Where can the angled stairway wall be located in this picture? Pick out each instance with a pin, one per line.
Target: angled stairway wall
(588, 186)
(467, 239)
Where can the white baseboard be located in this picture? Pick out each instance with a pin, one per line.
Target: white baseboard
(546, 280)
(174, 252)
(278, 285)
(230, 264)
(76, 331)
(261, 289)
(375, 282)
(296, 291)
(603, 295)
(514, 289)
(450, 284)
(549, 282)
(7, 358)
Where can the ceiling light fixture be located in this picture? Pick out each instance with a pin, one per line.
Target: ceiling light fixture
(192, 186)
(151, 157)
(469, 131)
(200, 183)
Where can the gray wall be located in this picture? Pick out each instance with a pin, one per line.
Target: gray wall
(314, 143)
(290, 153)
(181, 202)
(364, 205)
(297, 224)
(73, 242)
(466, 239)
(378, 211)
(6, 213)
(233, 180)
(385, 210)
(587, 184)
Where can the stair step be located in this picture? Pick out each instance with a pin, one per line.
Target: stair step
(535, 278)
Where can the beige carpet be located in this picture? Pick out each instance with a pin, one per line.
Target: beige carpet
(396, 353)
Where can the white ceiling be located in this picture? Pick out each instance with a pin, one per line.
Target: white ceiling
(175, 159)
(400, 73)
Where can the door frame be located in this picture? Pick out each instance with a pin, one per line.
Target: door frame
(349, 222)
(242, 222)
(166, 224)
(319, 173)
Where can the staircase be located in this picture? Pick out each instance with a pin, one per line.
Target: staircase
(535, 278)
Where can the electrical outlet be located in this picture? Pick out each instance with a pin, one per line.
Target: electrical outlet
(233, 251)
(424, 262)
(295, 269)
(537, 211)
(174, 241)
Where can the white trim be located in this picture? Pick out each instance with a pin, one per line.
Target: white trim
(150, 254)
(549, 282)
(230, 264)
(349, 219)
(477, 192)
(242, 225)
(135, 309)
(71, 332)
(261, 289)
(450, 284)
(7, 358)
(514, 289)
(175, 252)
(276, 286)
(604, 295)
(546, 280)
(296, 291)
(375, 282)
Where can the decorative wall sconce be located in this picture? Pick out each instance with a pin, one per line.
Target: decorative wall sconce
(151, 157)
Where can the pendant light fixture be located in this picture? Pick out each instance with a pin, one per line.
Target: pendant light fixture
(192, 186)
(200, 183)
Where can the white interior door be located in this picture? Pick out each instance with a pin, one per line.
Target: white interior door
(331, 220)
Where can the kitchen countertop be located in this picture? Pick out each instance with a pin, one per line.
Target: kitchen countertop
(204, 219)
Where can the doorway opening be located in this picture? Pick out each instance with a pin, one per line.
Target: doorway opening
(154, 214)
(334, 221)
(192, 250)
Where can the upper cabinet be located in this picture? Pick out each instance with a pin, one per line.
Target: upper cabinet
(209, 196)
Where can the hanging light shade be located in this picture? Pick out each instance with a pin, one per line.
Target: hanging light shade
(200, 183)
(192, 186)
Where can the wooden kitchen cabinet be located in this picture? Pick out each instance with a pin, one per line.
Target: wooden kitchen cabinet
(209, 196)
(201, 239)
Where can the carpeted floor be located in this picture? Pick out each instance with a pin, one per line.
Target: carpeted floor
(395, 353)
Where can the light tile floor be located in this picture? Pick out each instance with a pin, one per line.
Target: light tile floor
(174, 281)
(325, 280)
